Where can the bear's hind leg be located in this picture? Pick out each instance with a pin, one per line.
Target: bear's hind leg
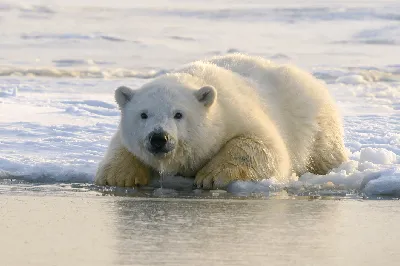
(328, 149)
(243, 158)
(123, 169)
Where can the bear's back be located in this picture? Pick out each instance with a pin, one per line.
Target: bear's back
(292, 98)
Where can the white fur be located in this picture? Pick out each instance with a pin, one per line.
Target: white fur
(283, 107)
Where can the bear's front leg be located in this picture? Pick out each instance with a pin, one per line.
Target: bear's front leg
(244, 158)
(122, 169)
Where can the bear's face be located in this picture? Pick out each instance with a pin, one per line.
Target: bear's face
(162, 125)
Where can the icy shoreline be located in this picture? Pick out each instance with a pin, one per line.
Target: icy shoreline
(57, 112)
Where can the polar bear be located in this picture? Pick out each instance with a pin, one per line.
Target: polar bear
(232, 117)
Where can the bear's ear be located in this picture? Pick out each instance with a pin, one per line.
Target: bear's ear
(206, 95)
(123, 95)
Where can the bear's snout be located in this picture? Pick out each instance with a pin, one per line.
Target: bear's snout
(160, 142)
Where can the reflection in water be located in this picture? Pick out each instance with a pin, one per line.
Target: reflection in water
(47, 231)
(88, 230)
(275, 232)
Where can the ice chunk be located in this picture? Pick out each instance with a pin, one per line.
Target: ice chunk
(264, 186)
(387, 184)
(378, 156)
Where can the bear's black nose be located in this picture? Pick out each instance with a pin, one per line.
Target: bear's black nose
(158, 141)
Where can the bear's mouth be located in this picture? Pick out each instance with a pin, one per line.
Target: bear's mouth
(161, 152)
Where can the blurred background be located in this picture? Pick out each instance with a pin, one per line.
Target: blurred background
(129, 38)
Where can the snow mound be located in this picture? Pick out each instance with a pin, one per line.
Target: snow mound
(378, 156)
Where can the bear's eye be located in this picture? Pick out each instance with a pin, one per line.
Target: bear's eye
(143, 116)
(178, 115)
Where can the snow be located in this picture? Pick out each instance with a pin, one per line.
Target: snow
(57, 111)
(378, 156)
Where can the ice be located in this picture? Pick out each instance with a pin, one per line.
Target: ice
(386, 185)
(9, 93)
(388, 35)
(263, 187)
(378, 156)
(93, 71)
(351, 79)
(57, 112)
(71, 36)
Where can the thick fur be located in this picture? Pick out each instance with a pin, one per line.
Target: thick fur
(256, 120)
(121, 168)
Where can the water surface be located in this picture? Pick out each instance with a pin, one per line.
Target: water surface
(72, 229)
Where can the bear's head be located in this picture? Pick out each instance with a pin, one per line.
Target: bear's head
(165, 123)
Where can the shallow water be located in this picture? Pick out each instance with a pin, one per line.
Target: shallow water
(86, 229)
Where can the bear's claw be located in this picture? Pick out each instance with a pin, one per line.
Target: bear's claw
(220, 177)
(125, 170)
